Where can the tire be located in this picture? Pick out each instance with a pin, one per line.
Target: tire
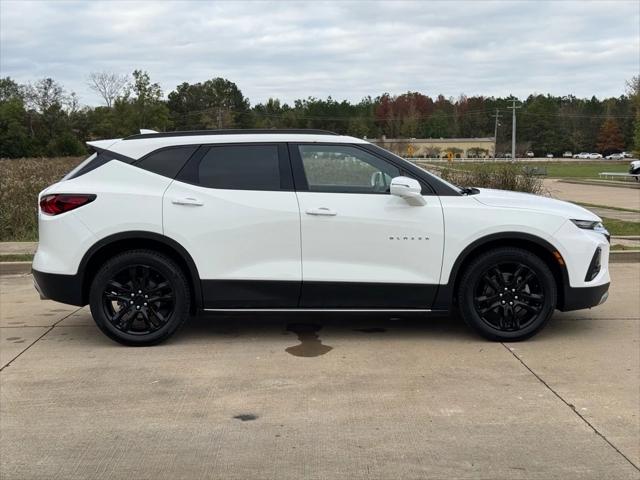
(139, 298)
(507, 294)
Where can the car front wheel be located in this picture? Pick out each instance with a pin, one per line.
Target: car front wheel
(507, 294)
(139, 297)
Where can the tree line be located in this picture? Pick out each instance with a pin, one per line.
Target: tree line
(45, 119)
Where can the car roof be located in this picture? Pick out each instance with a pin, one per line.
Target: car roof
(138, 146)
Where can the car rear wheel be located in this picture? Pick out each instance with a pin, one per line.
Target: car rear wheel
(140, 297)
(507, 294)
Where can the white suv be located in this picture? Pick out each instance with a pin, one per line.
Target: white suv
(158, 226)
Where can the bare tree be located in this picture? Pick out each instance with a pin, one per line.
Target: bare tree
(107, 85)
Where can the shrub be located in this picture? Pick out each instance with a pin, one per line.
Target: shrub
(502, 176)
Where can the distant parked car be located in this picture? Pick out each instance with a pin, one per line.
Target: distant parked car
(634, 168)
(594, 155)
(549, 155)
(615, 156)
(567, 154)
(529, 154)
(582, 155)
(626, 155)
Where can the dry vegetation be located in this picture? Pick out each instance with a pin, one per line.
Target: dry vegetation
(503, 176)
(21, 180)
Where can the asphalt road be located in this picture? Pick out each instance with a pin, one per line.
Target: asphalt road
(301, 396)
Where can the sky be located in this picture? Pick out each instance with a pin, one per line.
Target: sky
(346, 50)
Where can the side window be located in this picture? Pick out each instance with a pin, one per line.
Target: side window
(241, 167)
(167, 162)
(345, 169)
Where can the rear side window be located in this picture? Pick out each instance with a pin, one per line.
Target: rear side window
(168, 161)
(241, 167)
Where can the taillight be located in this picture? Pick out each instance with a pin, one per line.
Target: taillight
(58, 203)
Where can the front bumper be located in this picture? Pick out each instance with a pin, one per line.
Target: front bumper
(59, 287)
(577, 298)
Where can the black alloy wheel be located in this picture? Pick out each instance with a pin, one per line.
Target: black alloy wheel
(507, 294)
(138, 300)
(140, 297)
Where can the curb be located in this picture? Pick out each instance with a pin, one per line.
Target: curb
(15, 268)
(21, 268)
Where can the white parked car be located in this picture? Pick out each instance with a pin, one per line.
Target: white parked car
(582, 155)
(615, 156)
(549, 155)
(530, 154)
(158, 226)
(595, 155)
(567, 154)
(627, 155)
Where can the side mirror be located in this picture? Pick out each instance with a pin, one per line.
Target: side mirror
(409, 189)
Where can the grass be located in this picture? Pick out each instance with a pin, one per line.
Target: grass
(623, 248)
(620, 209)
(582, 170)
(21, 180)
(620, 227)
(16, 257)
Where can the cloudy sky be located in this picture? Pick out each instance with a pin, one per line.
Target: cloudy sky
(344, 49)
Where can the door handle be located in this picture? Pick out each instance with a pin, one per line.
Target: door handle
(194, 202)
(321, 211)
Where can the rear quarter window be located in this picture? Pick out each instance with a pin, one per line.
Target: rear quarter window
(166, 162)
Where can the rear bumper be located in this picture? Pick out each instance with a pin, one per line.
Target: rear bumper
(59, 287)
(577, 298)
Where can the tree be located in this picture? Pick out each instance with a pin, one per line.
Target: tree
(633, 91)
(610, 138)
(215, 103)
(108, 85)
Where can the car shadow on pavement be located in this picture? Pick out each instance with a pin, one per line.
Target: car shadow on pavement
(322, 324)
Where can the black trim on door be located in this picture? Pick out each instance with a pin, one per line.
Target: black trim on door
(239, 294)
(250, 294)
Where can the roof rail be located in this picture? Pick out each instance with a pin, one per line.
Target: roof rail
(234, 131)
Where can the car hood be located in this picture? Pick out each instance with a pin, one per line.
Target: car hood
(528, 201)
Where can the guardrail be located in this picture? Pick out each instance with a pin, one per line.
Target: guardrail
(619, 176)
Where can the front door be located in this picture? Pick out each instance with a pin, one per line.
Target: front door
(362, 247)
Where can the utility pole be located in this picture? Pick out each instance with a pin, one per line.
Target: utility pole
(495, 134)
(513, 130)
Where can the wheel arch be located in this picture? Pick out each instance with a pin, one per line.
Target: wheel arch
(123, 241)
(446, 295)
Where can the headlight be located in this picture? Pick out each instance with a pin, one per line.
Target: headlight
(591, 225)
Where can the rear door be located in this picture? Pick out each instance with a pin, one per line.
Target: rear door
(234, 209)
(361, 246)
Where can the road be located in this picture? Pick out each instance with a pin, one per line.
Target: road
(301, 396)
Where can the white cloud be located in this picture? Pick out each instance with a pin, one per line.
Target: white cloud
(343, 49)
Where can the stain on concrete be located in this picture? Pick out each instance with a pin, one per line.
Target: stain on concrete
(371, 330)
(245, 417)
(14, 338)
(310, 343)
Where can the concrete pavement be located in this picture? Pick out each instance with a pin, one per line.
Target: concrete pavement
(595, 194)
(320, 396)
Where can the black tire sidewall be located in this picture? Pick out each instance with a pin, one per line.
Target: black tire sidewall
(165, 266)
(480, 266)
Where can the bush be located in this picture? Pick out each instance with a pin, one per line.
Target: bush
(21, 180)
(509, 176)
